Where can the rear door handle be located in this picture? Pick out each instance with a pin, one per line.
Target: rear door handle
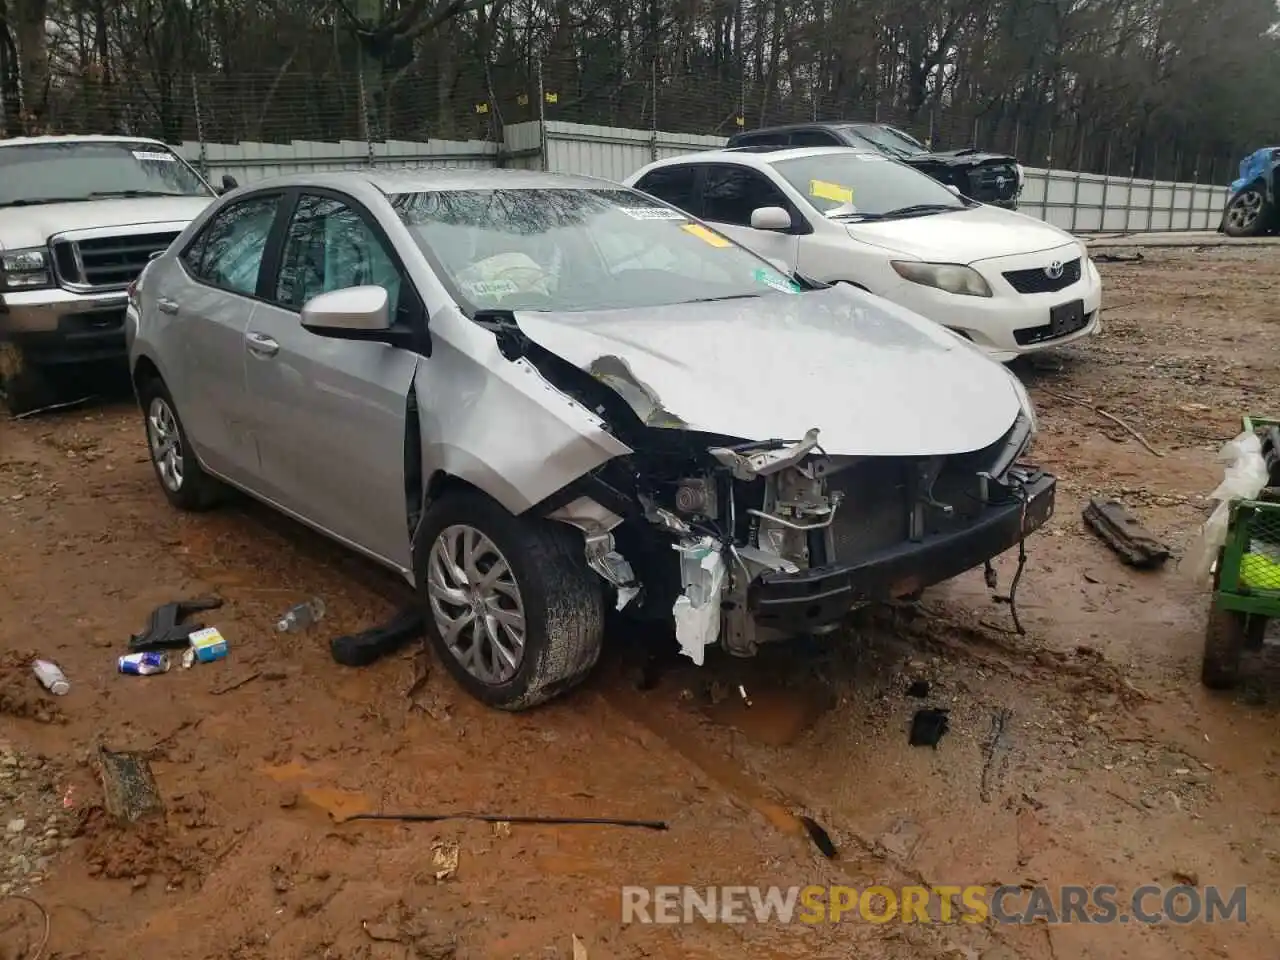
(261, 344)
(165, 305)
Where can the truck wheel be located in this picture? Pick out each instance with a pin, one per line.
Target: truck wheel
(1225, 637)
(1248, 214)
(23, 386)
(512, 609)
(184, 483)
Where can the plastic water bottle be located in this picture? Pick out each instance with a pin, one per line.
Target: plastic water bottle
(51, 677)
(301, 616)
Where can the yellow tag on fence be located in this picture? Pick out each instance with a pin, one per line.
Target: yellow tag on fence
(705, 235)
(830, 191)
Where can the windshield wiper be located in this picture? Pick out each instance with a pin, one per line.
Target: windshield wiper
(37, 201)
(919, 208)
(732, 296)
(127, 194)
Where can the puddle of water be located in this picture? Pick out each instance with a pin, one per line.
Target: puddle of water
(336, 802)
(775, 718)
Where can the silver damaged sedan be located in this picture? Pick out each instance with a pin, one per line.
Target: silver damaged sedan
(538, 397)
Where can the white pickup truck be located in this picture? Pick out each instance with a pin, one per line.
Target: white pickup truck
(79, 219)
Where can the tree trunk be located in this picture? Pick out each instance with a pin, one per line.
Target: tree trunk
(33, 59)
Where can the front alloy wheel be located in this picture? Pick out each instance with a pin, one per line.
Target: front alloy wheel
(1246, 216)
(476, 603)
(513, 611)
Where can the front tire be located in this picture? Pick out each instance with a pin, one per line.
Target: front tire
(512, 609)
(1249, 213)
(184, 482)
(23, 386)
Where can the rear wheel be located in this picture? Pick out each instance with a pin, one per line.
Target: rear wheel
(1248, 214)
(512, 609)
(184, 482)
(1225, 637)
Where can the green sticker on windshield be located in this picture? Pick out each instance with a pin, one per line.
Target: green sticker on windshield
(777, 281)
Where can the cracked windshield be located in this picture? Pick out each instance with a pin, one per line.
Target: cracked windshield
(577, 250)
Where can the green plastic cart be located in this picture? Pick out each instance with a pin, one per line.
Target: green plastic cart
(1246, 578)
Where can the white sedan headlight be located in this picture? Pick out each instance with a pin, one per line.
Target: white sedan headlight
(26, 269)
(951, 277)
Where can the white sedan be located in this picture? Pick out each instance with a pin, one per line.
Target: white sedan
(1008, 282)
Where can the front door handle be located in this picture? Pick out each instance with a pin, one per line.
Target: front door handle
(165, 305)
(261, 345)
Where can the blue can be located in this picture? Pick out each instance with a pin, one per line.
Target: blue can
(144, 664)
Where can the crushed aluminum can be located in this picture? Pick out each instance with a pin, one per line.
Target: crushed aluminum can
(144, 664)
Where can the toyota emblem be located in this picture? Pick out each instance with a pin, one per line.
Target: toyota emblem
(1054, 270)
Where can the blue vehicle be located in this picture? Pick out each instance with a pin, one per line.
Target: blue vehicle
(1254, 200)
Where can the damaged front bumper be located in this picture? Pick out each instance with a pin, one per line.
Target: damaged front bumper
(807, 600)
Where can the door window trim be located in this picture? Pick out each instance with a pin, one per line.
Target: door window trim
(281, 196)
(800, 225)
(410, 297)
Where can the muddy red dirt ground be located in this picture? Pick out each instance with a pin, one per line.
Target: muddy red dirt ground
(1114, 765)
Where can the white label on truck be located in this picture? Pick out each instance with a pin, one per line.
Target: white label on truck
(153, 155)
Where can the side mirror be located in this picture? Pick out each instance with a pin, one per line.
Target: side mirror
(353, 310)
(229, 183)
(770, 218)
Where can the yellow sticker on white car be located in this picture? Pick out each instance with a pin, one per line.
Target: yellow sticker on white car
(830, 191)
(705, 235)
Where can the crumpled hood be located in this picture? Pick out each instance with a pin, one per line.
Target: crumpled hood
(964, 158)
(875, 379)
(32, 226)
(965, 236)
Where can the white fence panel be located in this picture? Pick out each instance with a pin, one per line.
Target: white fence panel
(1078, 202)
(249, 162)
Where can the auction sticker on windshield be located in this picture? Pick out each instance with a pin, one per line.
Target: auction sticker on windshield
(652, 213)
(500, 287)
(705, 235)
(771, 279)
(830, 191)
(153, 155)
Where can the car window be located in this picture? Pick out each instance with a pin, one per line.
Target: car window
(814, 138)
(775, 139)
(329, 246)
(852, 184)
(730, 193)
(567, 250)
(672, 184)
(228, 251)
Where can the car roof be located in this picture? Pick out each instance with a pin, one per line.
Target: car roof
(427, 180)
(758, 158)
(806, 125)
(74, 138)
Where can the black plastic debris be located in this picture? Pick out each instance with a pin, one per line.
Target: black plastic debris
(369, 646)
(821, 839)
(928, 727)
(918, 689)
(165, 629)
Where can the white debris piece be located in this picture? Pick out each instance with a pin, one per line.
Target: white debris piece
(1243, 479)
(697, 609)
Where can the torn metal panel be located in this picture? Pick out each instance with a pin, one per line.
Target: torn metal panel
(761, 463)
(876, 379)
(614, 373)
(697, 609)
(604, 558)
(588, 516)
(501, 426)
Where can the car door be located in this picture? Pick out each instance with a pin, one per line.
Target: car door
(208, 296)
(731, 192)
(331, 413)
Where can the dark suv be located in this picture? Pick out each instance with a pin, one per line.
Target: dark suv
(986, 177)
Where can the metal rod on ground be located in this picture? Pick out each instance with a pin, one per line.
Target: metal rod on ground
(496, 818)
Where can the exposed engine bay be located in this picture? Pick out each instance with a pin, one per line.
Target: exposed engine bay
(746, 542)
